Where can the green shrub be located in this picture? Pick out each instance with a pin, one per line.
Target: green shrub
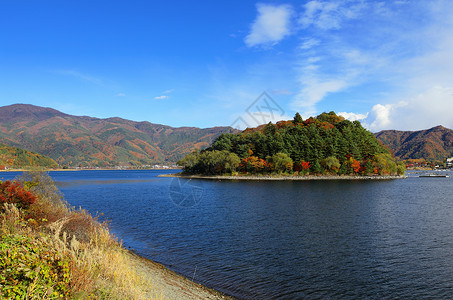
(401, 168)
(31, 268)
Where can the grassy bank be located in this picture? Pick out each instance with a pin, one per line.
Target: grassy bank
(50, 251)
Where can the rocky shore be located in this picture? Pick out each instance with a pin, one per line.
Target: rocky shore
(166, 284)
(289, 177)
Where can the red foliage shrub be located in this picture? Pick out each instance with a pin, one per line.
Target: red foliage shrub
(305, 165)
(14, 192)
(355, 165)
(254, 164)
(302, 166)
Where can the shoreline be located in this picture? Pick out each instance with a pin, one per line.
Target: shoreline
(74, 170)
(167, 284)
(286, 178)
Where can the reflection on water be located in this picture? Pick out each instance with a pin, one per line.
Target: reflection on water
(284, 240)
(80, 182)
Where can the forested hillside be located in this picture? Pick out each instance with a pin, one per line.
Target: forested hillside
(431, 144)
(324, 144)
(12, 157)
(75, 141)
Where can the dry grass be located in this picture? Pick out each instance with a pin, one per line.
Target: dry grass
(100, 268)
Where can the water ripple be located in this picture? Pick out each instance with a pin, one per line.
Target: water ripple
(285, 240)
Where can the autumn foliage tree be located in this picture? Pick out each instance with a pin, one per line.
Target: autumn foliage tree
(355, 165)
(302, 167)
(254, 164)
(14, 192)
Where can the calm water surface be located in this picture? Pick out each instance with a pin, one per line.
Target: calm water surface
(282, 240)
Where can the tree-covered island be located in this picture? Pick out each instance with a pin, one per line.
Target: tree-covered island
(323, 145)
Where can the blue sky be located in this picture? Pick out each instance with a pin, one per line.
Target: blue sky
(206, 63)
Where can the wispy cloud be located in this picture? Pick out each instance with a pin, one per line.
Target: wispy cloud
(81, 76)
(318, 79)
(249, 120)
(325, 64)
(271, 25)
(309, 43)
(280, 92)
(164, 95)
(121, 95)
(330, 14)
(73, 109)
(425, 78)
(314, 90)
(352, 45)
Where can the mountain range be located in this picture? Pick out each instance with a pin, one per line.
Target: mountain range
(92, 142)
(431, 144)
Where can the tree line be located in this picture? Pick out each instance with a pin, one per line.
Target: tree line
(326, 144)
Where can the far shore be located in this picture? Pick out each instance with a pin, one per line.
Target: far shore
(287, 178)
(74, 169)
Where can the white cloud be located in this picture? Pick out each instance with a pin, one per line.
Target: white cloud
(163, 97)
(271, 25)
(428, 109)
(121, 95)
(352, 116)
(379, 117)
(168, 91)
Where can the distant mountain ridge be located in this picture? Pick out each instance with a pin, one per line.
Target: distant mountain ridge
(431, 144)
(91, 142)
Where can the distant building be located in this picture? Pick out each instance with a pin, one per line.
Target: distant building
(449, 162)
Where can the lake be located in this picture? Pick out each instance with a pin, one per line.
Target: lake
(282, 239)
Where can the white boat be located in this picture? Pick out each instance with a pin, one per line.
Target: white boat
(434, 175)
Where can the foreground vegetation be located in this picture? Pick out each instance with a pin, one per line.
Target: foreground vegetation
(51, 251)
(327, 144)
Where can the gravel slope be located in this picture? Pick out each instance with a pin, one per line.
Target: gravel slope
(166, 284)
